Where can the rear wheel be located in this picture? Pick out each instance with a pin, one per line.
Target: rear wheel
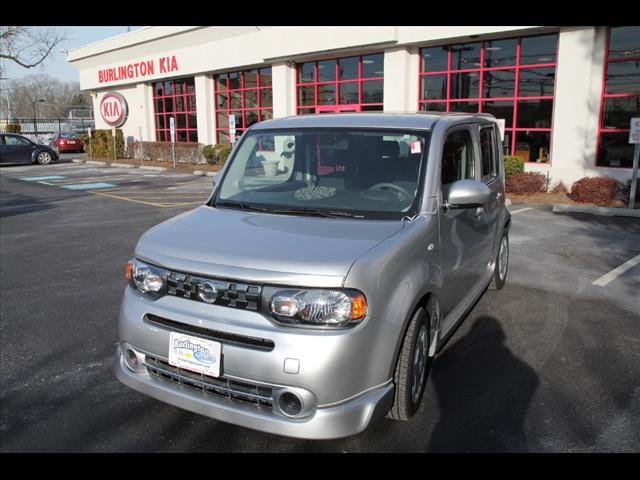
(502, 263)
(43, 158)
(412, 368)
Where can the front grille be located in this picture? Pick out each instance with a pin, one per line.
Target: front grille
(229, 294)
(221, 387)
(224, 337)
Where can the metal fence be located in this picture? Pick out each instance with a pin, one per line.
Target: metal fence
(41, 130)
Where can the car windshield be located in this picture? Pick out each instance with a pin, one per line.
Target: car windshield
(327, 172)
(68, 135)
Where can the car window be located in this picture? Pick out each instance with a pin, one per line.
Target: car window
(68, 135)
(457, 157)
(11, 140)
(368, 173)
(488, 154)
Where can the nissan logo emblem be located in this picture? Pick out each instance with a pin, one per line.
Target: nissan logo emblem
(208, 292)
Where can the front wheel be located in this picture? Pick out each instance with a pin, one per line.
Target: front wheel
(43, 158)
(502, 263)
(412, 368)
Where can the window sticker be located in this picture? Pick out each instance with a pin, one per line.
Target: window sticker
(416, 147)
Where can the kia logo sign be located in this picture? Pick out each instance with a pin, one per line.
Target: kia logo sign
(114, 109)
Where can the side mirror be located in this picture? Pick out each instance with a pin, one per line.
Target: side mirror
(214, 179)
(466, 194)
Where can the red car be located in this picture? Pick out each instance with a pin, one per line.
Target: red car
(67, 142)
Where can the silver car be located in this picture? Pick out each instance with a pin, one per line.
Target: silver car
(335, 257)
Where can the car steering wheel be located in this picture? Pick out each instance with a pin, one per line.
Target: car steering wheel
(391, 186)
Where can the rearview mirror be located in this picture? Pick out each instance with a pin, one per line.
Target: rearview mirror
(466, 194)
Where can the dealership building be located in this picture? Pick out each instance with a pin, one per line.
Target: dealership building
(566, 94)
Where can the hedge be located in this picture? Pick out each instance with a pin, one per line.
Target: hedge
(513, 165)
(526, 183)
(102, 144)
(598, 190)
(190, 153)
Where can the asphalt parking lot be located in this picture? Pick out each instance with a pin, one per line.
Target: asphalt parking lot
(551, 363)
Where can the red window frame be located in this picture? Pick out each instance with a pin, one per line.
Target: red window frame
(265, 112)
(516, 67)
(163, 133)
(337, 106)
(605, 95)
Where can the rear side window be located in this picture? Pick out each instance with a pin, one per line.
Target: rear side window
(488, 154)
(457, 157)
(11, 140)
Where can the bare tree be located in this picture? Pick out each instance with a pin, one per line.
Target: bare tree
(44, 96)
(28, 46)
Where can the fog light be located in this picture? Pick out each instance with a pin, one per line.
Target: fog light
(131, 360)
(290, 404)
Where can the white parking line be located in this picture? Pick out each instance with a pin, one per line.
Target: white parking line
(616, 272)
(521, 210)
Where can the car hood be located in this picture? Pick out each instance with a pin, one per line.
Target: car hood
(263, 247)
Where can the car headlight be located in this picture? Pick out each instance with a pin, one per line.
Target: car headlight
(335, 308)
(146, 278)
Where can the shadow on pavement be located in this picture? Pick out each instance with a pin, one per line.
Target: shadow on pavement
(483, 391)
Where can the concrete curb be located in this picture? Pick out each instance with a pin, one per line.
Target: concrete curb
(155, 169)
(603, 211)
(507, 202)
(199, 172)
(95, 162)
(124, 165)
(77, 160)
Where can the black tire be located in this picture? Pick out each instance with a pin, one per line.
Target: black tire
(405, 403)
(498, 280)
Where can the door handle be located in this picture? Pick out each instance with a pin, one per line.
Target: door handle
(479, 211)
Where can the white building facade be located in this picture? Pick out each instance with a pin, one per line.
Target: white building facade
(566, 93)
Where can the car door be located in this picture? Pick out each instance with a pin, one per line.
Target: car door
(490, 174)
(462, 231)
(17, 149)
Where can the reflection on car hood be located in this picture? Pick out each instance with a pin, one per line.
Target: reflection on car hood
(208, 237)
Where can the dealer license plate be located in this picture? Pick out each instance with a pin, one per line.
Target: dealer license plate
(195, 354)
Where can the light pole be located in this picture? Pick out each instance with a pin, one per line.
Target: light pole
(35, 116)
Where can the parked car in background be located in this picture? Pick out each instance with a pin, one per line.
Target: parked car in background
(309, 299)
(65, 142)
(18, 149)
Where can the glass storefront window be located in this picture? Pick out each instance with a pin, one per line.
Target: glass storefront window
(247, 95)
(175, 98)
(518, 89)
(621, 97)
(359, 83)
(434, 59)
(500, 53)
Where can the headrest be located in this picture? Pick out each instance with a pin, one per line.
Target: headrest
(388, 148)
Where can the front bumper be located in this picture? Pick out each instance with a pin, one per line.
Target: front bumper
(344, 419)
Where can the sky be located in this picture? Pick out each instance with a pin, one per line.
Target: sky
(56, 65)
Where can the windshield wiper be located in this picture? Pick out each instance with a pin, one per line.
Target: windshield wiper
(312, 211)
(242, 205)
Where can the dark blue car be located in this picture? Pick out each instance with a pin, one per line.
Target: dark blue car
(18, 149)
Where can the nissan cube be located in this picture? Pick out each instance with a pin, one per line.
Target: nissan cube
(333, 259)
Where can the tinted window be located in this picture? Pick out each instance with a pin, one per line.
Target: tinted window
(624, 42)
(500, 53)
(435, 59)
(457, 157)
(465, 56)
(488, 153)
(538, 49)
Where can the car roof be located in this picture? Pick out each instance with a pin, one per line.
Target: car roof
(404, 120)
